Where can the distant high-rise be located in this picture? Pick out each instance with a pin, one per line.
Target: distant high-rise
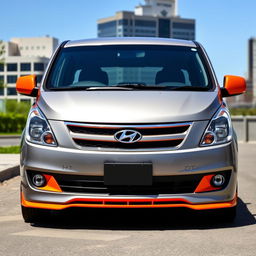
(249, 97)
(157, 18)
(252, 67)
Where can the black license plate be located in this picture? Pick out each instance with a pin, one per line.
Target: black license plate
(128, 174)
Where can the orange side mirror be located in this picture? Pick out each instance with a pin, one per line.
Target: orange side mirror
(233, 85)
(27, 85)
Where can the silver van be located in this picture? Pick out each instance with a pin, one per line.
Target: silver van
(129, 123)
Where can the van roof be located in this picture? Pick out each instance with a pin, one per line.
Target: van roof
(130, 41)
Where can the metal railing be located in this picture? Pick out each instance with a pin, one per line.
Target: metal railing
(245, 127)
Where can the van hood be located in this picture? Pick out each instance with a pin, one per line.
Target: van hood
(128, 106)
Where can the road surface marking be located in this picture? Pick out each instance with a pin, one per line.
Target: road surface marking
(10, 218)
(84, 235)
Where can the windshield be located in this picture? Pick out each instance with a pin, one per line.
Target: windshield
(128, 66)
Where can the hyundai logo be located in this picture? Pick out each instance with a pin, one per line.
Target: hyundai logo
(128, 136)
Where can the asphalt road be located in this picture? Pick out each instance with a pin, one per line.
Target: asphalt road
(135, 232)
(9, 142)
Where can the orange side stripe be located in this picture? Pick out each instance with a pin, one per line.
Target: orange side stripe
(54, 206)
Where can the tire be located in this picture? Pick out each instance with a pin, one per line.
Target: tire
(32, 215)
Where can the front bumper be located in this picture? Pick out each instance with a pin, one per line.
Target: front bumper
(165, 163)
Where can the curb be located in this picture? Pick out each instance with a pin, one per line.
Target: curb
(9, 173)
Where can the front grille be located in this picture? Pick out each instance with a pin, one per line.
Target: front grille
(178, 184)
(101, 136)
(138, 145)
(112, 131)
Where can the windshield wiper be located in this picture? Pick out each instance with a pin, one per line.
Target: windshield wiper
(142, 86)
(98, 88)
(189, 88)
(90, 88)
(130, 87)
(71, 88)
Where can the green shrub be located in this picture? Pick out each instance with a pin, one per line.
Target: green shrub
(243, 111)
(12, 106)
(12, 123)
(10, 150)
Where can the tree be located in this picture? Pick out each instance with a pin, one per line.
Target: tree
(2, 51)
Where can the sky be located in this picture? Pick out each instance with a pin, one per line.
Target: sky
(222, 26)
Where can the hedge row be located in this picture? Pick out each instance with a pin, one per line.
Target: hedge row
(12, 123)
(243, 111)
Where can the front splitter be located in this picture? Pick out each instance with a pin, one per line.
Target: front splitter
(127, 203)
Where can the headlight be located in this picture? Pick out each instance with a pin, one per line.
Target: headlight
(219, 130)
(38, 130)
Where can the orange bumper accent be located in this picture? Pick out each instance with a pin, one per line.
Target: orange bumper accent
(205, 185)
(127, 203)
(51, 184)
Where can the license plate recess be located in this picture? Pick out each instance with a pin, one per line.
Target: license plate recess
(128, 174)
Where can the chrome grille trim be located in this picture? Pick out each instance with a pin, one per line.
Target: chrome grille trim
(125, 126)
(112, 139)
(90, 140)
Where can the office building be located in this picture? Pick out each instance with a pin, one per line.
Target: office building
(248, 99)
(157, 18)
(252, 68)
(24, 56)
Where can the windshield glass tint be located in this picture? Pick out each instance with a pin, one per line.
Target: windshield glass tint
(101, 66)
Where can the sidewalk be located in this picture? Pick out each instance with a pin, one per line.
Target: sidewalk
(9, 166)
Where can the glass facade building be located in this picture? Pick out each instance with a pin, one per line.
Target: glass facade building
(128, 24)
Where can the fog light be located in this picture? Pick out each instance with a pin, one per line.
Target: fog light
(218, 180)
(39, 180)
